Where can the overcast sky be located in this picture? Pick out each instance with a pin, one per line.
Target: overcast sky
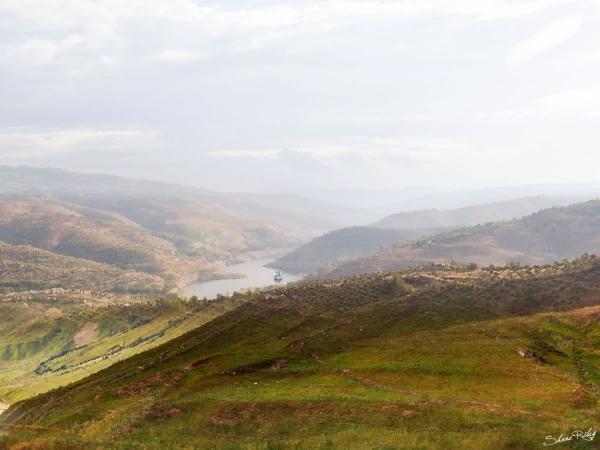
(259, 95)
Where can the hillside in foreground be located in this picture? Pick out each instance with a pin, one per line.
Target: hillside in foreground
(54, 338)
(431, 358)
(543, 237)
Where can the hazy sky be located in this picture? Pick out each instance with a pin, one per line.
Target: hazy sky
(262, 95)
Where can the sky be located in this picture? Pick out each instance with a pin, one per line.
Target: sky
(292, 96)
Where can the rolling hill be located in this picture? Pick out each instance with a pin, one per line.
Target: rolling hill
(25, 268)
(472, 215)
(140, 232)
(339, 245)
(292, 216)
(428, 358)
(92, 235)
(546, 236)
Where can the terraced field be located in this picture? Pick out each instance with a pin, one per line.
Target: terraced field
(431, 358)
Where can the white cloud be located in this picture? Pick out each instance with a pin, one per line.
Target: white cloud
(111, 25)
(552, 35)
(174, 56)
(24, 143)
(240, 153)
(584, 102)
(581, 103)
(416, 148)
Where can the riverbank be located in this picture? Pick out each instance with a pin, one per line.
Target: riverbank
(253, 273)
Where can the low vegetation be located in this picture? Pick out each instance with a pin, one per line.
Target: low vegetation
(52, 340)
(437, 357)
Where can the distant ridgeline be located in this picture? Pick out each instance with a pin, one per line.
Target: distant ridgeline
(543, 237)
(343, 245)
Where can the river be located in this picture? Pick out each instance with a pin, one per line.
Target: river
(256, 276)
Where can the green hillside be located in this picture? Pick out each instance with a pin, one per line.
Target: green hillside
(419, 359)
(50, 341)
(546, 236)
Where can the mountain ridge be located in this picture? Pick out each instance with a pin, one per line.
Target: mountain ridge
(543, 237)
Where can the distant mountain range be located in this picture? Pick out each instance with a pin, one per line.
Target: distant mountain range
(296, 216)
(472, 215)
(386, 202)
(543, 237)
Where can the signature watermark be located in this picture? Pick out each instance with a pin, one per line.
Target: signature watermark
(576, 435)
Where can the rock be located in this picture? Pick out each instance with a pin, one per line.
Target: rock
(526, 353)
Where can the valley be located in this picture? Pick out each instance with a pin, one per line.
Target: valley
(139, 236)
(299, 225)
(132, 321)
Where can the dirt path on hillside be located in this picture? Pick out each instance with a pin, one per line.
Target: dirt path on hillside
(3, 407)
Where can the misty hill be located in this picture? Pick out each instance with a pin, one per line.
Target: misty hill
(291, 215)
(96, 235)
(26, 268)
(366, 362)
(339, 245)
(348, 243)
(179, 234)
(546, 236)
(472, 215)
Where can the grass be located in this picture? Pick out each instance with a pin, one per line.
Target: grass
(37, 348)
(365, 362)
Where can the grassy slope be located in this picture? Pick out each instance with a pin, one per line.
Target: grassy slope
(361, 363)
(543, 237)
(46, 343)
(339, 245)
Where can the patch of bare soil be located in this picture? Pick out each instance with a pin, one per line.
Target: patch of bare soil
(87, 334)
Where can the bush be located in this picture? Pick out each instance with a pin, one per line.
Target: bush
(396, 285)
